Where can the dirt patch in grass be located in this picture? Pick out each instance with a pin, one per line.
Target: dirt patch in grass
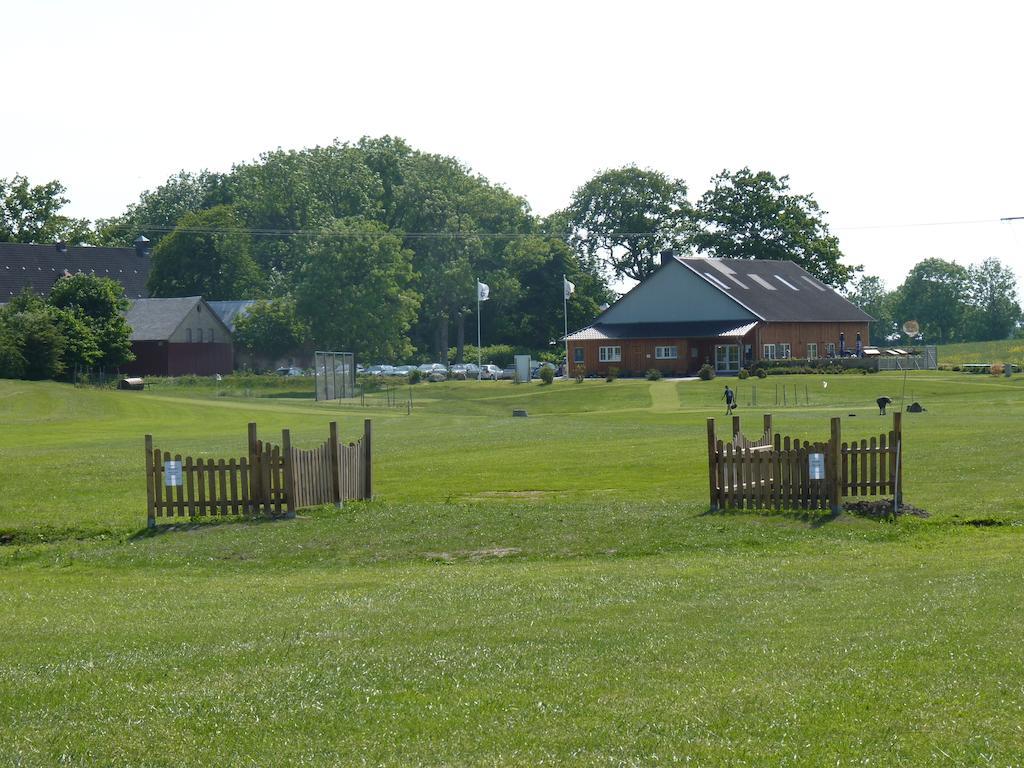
(473, 554)
(881, 509)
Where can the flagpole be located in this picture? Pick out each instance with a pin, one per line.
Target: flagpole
(478, 330)
(565, 318)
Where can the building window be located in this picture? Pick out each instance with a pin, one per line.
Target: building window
(209, 335)
(188, 335)
(577, 355)
(812, 351)
(768, 352)
(831, 349)
(666, 353)
(694, 353)
(782, 351)
(609, 354)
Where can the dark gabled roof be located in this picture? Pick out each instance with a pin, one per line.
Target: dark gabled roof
(38, 267)
(158, 319)
(776, 291)
(230, 311)
(687, 330)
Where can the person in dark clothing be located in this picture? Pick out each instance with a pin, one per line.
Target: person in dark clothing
(883, 401)
(730, 400)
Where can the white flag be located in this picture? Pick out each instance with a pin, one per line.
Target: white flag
(569, 287)
(483, 291)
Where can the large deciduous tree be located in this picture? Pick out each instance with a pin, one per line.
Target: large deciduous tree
(354, 290)
(209, 254)
(935, 295)
(625, 217)
(868, 293)
(747, 215)
(31, 214)
(94, 322)
(270, 329)
(992, 294)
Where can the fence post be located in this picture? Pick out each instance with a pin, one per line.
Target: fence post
(712, 486)
(335, 465)
(289, 479)
(768, 426)
(897, 429)
(150, 512)
(835, 466)
(735, 427)
(367, 460)
(255, 475)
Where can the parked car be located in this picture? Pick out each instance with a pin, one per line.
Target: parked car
(438, 374)
(535, 371)
(472, 370)
(458, 372)
(508, 373)
(491, 372)
(404, 370)
(286, 371)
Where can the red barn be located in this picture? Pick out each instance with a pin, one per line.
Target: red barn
(176, 337)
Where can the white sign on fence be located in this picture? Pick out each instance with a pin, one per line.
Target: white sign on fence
(172, 473)
(816, 466)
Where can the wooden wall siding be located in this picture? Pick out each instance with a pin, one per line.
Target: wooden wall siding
(763, 474)
(799, 335)
(271, 480)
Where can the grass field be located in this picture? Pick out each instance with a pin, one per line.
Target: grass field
(521, 591)
(1007, 351)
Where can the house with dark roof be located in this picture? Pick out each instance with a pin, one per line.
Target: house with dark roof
(177, 337)
(726, 312)
(37, 267)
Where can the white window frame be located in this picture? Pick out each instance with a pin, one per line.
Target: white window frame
(786, 350)
(666, 353)
(812, 350)
(768, 351)
(609, 354)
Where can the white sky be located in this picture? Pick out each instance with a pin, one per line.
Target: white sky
(889, 113)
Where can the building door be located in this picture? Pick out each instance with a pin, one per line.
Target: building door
(727, 358)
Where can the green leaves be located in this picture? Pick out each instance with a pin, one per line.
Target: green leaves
(29, 214)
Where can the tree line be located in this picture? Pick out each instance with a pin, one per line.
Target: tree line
(375, 247)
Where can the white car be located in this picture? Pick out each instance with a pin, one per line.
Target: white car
(491, 372)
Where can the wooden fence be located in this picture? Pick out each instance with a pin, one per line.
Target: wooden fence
(271, 480)
(776, 472)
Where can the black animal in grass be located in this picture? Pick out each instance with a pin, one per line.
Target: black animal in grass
(883, 401)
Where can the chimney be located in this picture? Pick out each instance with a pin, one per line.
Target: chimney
(142, 247)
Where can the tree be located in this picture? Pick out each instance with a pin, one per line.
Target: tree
(748, 215)
(992, 295)
(270, 329)
(626, 217)
(30, 214)
(37, 337)
(208, 254)
(868, 293)
(159, 211)
(92, 315)
(934, 294)
(354, 290)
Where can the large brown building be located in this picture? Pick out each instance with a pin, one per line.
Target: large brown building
(175, 337)
(729, 313)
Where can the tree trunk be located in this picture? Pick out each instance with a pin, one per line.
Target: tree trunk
(442, 339)
(460, 339)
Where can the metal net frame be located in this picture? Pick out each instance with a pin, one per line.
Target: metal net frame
(335, 374)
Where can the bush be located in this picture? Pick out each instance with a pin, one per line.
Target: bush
(744, 373)
(547, 375)
(653, 374)
(762, 373)
(706, 372)
(579, 372)
(613, 374)
(415, 376)
(501, 355)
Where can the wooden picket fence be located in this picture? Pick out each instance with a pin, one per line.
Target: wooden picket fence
(272, 480)
(782, 472)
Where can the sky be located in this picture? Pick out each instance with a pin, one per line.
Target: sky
(902, 119)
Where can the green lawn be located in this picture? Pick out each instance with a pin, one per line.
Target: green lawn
(549, 589)
(1006, 351)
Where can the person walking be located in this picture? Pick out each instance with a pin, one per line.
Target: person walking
(730, 400)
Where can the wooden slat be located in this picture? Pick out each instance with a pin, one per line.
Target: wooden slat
(190, 486)
(235, 498)
(863, 467)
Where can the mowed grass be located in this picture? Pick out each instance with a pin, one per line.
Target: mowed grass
(1004, 351)
(549, 589)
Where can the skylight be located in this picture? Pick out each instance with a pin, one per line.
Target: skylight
(786, 283)
(816, 284)
(762, 282)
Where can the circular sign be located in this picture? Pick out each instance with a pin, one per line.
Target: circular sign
(911, 328)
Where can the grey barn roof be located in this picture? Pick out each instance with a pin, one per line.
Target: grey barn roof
(230, 311)
(776, 291)
(157, 319)
(38, 266)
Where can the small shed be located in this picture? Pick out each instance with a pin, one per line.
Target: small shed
(178, 337)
